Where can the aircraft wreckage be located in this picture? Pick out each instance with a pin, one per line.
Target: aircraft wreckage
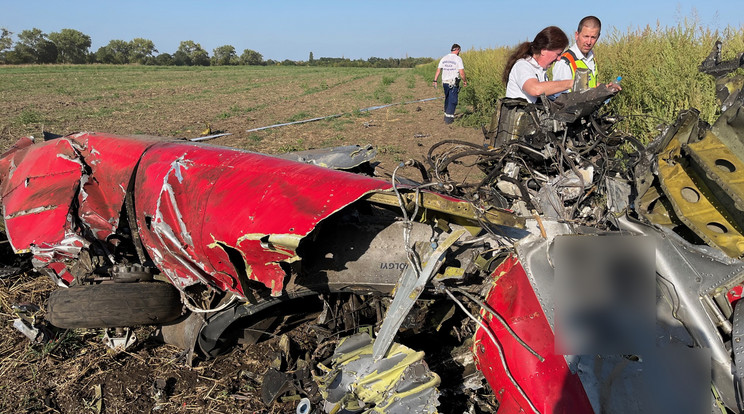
(582, 272)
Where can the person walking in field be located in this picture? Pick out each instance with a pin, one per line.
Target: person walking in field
(452, 70)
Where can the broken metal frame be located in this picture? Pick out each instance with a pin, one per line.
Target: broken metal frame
(695, 279)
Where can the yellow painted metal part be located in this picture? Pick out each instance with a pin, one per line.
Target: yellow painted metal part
(372, 388)
(693, 207)
(701, 184)
(461, 212)
(721, 165)
(378, 389)
(653, 207)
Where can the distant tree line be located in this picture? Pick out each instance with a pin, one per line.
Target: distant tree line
(73, 46)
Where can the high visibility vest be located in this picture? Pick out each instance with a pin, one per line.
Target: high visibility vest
(574, 63)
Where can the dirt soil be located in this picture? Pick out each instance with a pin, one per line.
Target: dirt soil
(76, 373)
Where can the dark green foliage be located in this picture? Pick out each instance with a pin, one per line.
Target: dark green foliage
(72, 45)
(224, 55)
(251, 57)
(33, 46)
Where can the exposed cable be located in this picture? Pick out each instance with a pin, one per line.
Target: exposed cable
(410, 253)
(498, 348)
(193, 308)
(488, 309)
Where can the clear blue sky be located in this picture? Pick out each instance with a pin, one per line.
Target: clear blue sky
(354, 29)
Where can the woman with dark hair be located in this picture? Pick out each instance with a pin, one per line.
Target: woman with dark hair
(525, 74)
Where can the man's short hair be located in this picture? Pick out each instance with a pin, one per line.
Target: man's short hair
(591, 22)
(454, 47)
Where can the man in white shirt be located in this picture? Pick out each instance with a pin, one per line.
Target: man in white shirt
(452, 71)
(580, 55)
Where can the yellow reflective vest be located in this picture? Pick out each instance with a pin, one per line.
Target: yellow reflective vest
(574, 63)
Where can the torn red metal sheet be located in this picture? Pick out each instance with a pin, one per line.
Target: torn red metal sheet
(37, 193)
(55, 191)
(550, 385)
(224, 217)
(111, 160)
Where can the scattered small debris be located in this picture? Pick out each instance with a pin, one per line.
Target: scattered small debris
(121, 339)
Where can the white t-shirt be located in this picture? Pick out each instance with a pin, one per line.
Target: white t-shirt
(523, 70)
(450, 66)
(562, 70)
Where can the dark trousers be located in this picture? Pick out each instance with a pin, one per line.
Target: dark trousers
(450, 98)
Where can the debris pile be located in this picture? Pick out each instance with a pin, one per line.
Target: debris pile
(414, 293)
(560, 159)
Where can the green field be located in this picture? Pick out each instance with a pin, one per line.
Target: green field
(170, 100)
(185, 102)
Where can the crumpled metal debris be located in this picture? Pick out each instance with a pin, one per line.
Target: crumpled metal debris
(554, 159)
(28, 324)
(120, 339)
(346, 158)
(691, 179)
(299, 235)
(359, 383)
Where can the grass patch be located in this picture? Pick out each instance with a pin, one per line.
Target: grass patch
(339, 124)
(393, 150)
(411, 81)
(233, 111)
(298, 146)
(29, 116)
(387, 80)
(381, 94)
(332, 142)
(102, 112)
(300, 116)
(315, 89)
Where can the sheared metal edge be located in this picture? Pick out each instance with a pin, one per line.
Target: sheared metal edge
(67, 248)
(71, 245)
(408, 289)
(696, 215)
(687, 266)
(290, 243)
(164, 232)
(375, 381)
(11, 168)
(75, 160)
(83, 181)
(46, 256)
(27, 212)
(276, 243)
(534, 254)
(341, 158)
